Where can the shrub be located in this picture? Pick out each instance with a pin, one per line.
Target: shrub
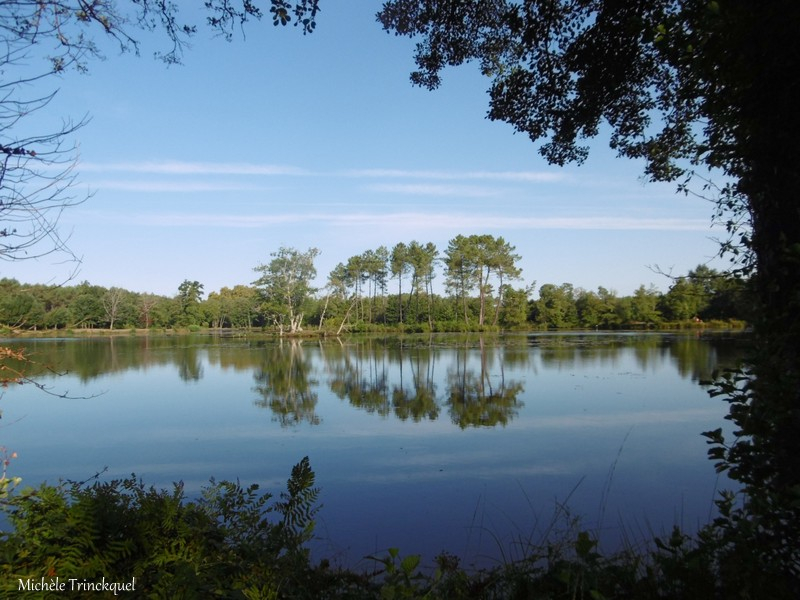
(221, 545)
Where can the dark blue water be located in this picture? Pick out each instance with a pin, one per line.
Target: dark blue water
(479, 447)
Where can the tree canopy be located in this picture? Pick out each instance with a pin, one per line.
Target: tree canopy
(285, 285)
(682, 85)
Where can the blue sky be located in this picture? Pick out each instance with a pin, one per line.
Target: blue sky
(201, 171)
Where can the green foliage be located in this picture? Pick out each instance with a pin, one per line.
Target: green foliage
(476, 262)
(556, 307)
(285, 287)
(298, 504)
(356, 299)
(514, 310)
(400, 576)
(225, 545)
(705, 294)
(758, 522)
(677, 567)
(643, 306)
(7, 484)
(188, 300)
(221, 545)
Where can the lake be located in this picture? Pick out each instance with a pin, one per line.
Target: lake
(476, 445)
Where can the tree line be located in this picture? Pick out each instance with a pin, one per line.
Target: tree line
(379, 288)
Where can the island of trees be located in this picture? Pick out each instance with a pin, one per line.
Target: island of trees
(382, 289)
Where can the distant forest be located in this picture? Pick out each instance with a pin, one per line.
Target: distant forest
(382, 289)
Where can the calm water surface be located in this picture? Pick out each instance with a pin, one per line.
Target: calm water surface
(465, 444)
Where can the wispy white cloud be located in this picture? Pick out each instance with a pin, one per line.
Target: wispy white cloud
(483, 221)
(177, 167)
(529, 176)
(434, 189)
(172, 176)
(192, 168)
(174, 186)
(173, 220)
(422, 221)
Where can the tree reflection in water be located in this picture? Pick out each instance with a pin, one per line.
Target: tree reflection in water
(284, 382)
(411, 379)
(359, 374)
(472, 398)
(419, 401)
(696, 354)
(375, 378)
(190, 367)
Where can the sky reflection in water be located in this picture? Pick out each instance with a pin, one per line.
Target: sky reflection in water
(462, 444)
